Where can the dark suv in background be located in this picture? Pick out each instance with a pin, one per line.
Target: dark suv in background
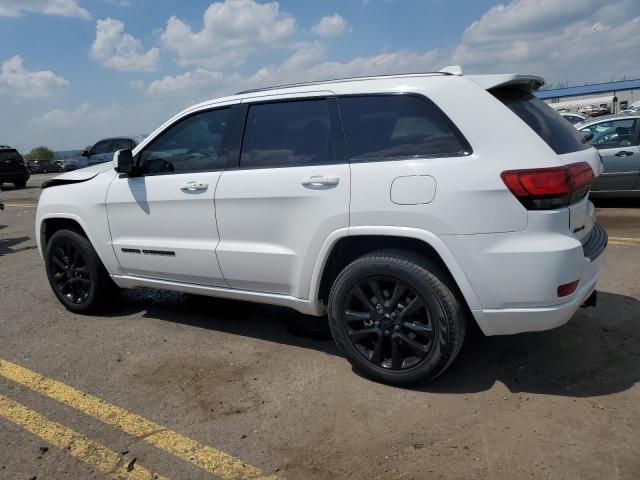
(101, 152)
(13, 168)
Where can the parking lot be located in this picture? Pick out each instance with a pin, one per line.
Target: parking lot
(170, 385)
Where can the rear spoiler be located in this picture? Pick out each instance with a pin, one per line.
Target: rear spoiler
(528, 83)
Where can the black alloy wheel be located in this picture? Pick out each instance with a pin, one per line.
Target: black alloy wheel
(71, 273)
(389, 323)
(397, 317)
(76, 275)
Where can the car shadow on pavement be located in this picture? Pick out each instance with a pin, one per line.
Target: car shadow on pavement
(7, 245)
(253, 320)
(616, 202)
(596, 353)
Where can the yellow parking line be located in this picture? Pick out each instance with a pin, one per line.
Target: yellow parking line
(21, 205)
(625, 244)
(100, 457)
(625, 239)
(207, 458)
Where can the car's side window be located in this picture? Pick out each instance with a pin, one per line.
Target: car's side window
(291, 133)
(191, 145)
(101, 147)
(119, 144)
(383, 127)
(613, 133)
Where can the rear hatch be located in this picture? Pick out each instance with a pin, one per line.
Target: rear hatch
(573, 151)
(11, 162)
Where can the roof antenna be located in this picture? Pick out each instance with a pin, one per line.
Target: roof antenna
(452, 70)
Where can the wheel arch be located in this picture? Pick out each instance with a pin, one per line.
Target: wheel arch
(345, 248)
(52, 222)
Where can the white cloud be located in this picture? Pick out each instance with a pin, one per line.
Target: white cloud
(62, 119)
(330, 26)
(198, 80)
(88, 123)
(64, 8)
(563, 41)
(114, 48)
(306, 63)
(18, 82)
(233, 30)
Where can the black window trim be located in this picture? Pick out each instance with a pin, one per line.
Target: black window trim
(335, 131)
(225, 141)
(467, 149)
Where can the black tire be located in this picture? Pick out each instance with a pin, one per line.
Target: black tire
(76, 274)
(20, 184)
(406, 348)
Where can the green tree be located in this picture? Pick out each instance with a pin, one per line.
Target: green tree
(41, 153)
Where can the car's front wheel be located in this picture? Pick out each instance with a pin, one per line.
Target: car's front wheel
(76, 274)
(20, 184)
(396, 317)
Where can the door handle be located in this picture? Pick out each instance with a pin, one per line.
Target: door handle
(320, 181)
(194, 186)
(623, 153)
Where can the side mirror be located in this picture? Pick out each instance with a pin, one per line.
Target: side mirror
(588, 137)
(123, 161)
(85, 153)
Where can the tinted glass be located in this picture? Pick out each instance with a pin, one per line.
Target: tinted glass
(287, 134)
(613, 133)
(192, 145)
(393, 126)
(544, 120)
(101, 147)
(9, 155)
(119, 144)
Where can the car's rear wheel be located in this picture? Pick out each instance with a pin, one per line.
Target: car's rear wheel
(76, 274)
(20, 184)
(396, 317)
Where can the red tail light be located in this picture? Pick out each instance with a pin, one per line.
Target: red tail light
(547, 188)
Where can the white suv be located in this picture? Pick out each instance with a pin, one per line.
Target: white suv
(385, 202)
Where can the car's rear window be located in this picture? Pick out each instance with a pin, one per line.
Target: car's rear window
(9, 155)
(559, 134)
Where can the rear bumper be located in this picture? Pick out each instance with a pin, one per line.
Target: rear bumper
(517, 320)
(10, 177)
(516, 275)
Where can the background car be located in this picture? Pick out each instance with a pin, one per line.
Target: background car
(13, 168)
(44, 166)
(101, 152)
(573, 118)
(617, 139)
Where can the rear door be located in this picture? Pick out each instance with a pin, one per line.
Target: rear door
(283, 194)
(617, 142)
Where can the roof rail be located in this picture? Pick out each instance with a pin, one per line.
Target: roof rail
(345, 79)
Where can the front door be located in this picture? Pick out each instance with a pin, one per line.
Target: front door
(617, 142)
(162, 221)
(286, 193)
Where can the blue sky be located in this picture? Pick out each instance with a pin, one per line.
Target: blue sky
(73, 71)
